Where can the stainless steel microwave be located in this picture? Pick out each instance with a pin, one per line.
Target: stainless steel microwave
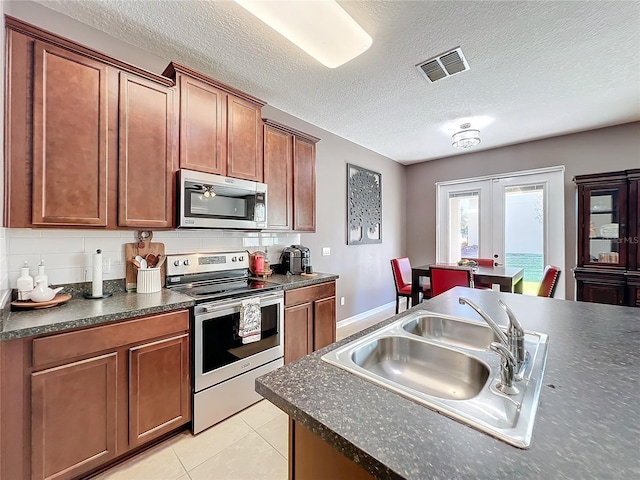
(213, 201)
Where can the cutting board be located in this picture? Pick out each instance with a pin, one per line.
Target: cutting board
(142, 248)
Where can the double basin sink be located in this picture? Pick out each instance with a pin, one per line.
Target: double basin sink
(445, 364)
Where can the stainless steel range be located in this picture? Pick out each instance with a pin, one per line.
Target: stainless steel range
(224, 366)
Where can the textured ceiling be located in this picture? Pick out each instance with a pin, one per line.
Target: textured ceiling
(538, 69)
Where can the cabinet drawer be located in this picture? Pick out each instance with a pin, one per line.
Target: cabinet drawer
(309, 294)
(65, 346)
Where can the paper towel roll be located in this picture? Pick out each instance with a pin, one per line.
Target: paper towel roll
(96, 289)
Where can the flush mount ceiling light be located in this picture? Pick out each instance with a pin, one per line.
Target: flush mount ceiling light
(466, 138)
(320, 28)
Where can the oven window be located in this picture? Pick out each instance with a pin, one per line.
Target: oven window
(221, 344)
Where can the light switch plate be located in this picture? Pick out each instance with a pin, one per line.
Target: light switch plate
(326, 251)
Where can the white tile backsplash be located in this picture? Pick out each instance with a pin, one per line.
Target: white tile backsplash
(68, 253)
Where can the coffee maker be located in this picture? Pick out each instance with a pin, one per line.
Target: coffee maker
(296, 259)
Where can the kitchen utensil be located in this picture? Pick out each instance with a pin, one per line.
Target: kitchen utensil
(151, 260)
(131, 250)
(161, 259)
(143, 264)
(136, 263)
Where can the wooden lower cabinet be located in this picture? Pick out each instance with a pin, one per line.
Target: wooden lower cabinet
(311, 458)
(309, 319)
(159, 391)
(74, 401)
(73, 417)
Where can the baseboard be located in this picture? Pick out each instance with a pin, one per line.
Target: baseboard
(368, 313)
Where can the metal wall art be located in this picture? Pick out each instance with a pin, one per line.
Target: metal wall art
(364, 206)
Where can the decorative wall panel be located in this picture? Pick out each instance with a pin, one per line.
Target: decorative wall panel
(364, 206)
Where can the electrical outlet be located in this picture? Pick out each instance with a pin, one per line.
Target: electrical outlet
(326, 251)
(106, 265)
(341, 300)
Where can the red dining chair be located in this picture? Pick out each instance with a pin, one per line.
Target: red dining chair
(444, 278)
(482, 262)
(401, 268)
(549, 281)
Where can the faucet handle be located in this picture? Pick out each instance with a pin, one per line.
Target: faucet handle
(514, 323)
(507, 369)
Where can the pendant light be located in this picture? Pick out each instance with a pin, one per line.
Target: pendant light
(466, 138)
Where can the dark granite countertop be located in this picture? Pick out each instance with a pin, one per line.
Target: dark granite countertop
(587, 425)
(289, 282)
(80, 312)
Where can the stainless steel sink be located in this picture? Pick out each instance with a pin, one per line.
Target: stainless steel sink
(451, 330)
(444, 363)
(424, 367)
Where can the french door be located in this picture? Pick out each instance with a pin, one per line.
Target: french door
(516, 219)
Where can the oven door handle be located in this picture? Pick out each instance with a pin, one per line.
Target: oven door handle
(224, 305)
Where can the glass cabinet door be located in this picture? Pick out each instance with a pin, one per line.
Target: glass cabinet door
(605, 222)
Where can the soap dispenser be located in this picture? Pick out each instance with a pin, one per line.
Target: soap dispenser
(24, 283)
(41, 277)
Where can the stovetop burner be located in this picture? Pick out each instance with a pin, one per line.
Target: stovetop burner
(213, 276)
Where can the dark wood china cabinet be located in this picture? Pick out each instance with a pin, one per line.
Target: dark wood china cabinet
(608, 238)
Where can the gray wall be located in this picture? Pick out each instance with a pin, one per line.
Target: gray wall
(365, 274)
(603, 150)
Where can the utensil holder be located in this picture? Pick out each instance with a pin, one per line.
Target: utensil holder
(149, 280)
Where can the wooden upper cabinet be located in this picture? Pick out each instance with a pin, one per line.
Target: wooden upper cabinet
(278, 166)
(90, 139)
(203, 126)
(290, 173)
(220, 126)
(244, 139)
(304, 185)
(146, 151)
(70, 138)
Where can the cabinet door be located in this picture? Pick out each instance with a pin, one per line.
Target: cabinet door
(633, 240)
(147, 127)
(601, 293)
(70, 135)
(298, 331)
(159, 388)
(603, 225)
(304, 185)
(73, 417)
(324, 322)
(203, 126)
(244, 139)
(277, 176)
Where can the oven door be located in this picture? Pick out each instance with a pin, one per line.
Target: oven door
(219, 351)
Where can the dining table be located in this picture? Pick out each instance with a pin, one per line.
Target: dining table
(509, 279)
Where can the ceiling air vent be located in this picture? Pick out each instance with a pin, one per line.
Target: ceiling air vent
(444, 65)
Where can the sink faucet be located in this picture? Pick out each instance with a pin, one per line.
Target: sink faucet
(507, 370)
(515, 334)
(514, 338)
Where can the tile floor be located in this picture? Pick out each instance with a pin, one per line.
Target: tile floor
(251, 445)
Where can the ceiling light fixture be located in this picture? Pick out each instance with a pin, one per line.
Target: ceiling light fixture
(320, 28)
(466, 138)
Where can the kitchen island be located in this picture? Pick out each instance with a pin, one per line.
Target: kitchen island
(587, 424)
